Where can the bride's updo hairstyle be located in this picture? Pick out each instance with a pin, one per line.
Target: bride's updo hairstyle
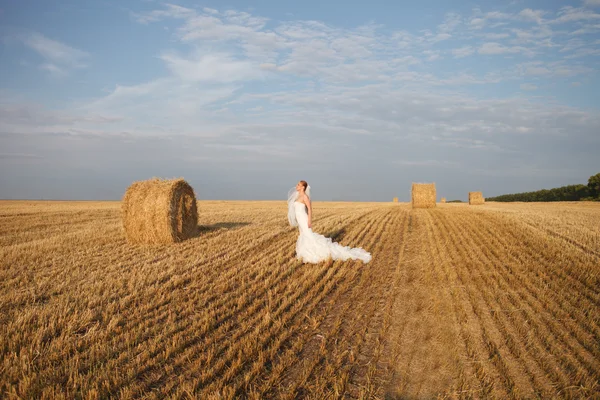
(305, 184)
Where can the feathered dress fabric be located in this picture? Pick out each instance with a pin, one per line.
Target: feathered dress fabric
(313, 248)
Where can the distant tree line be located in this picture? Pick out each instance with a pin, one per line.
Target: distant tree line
(591, 191)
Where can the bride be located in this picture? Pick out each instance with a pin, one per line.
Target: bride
(312, 247)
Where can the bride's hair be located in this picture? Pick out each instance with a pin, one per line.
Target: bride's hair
(306, 187)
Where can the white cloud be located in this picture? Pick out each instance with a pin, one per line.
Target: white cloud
(246, 85)
(528, 86)
(498, 15)
(214, 67)
(164, 107)
(584, 52)
(432, 55)
(586, 29)
(23, 118)
(477, 23)
(230, 49)
(440, 37)
(572, 14)
(572, 44)
(54, 69)
(170, 11)
(592, 3)
(451, 22)
(496, 36)
(494, 48)
(532, 15)
(537, 70)
(241, 93)
(463, 51)
(534, 35)
(59, 58)
(551, 69)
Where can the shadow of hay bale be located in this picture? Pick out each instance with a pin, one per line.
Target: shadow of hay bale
(220, 225)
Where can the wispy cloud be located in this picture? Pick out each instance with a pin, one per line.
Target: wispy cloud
(213, 67)
(493, 48)
(551, 69)
(463, 51)
(236, 86)
(170, 11)
(532, 15)
(59, 58)
(333, 77)
(574, 14)
(528, 86)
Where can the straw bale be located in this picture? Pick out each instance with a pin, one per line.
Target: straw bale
(395, 199)
(476, 198)
(423, 195)
(159, 211)
(443, 200)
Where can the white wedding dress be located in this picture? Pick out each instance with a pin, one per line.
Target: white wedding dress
(313, 248)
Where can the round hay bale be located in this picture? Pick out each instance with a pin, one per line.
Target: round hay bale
(159, 211)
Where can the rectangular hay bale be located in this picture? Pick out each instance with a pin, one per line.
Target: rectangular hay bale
(423, 195)
(443, 200)
(476, 198)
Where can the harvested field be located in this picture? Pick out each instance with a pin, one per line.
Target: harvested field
(500, 301)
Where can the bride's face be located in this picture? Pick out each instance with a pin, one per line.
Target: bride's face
(299, 187)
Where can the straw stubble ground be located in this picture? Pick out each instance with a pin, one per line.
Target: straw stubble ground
(496, 301)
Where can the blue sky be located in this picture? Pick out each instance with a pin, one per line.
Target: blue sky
(245, 98)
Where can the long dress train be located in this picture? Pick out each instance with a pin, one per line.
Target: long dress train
(313, 248)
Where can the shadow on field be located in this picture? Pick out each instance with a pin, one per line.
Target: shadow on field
(221, 225)
(336, 235)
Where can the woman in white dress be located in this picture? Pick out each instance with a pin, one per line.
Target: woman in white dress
(312, 247)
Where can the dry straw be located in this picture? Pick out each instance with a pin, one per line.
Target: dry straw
(395, 199)
(476, 198)
(423, 195)
(443, 200)
(159, 211)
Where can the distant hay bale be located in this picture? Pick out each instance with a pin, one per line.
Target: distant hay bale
(159, 211)
(423, 195)
(476, 198)
(395, 199)
(443, 200)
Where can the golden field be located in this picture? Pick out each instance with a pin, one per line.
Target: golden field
(493, 301)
